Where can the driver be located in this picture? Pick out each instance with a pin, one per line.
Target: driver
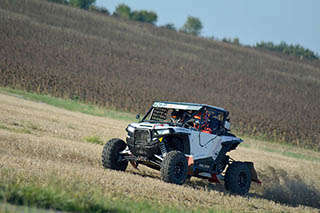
(175, 116)
(197, 118)
(179, 116)
(205, 125)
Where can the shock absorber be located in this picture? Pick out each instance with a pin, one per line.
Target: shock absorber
(163, 148)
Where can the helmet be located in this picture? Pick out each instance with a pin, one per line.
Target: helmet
(197, 116)
(174, 114)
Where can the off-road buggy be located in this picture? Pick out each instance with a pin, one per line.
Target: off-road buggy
(182, 140)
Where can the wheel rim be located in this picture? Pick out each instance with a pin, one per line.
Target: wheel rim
(178, 170)
(242, 179)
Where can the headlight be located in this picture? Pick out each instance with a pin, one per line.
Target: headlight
(163, 131)
(130, 129)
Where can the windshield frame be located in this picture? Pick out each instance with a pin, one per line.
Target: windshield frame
(151, 110)
(194, 112)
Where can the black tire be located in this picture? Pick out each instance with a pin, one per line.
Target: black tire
(111, 158)
(238, 178)
(188, 178)
(174, 168)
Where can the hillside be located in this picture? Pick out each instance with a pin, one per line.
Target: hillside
(47, 161)
(70, 53)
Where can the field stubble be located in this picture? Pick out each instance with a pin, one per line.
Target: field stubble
(53, 154)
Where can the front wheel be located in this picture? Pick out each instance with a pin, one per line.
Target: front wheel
(238, 178)
(111, 158)
(174, 168)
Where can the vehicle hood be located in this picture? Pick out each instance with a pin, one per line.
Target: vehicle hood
(148, 125)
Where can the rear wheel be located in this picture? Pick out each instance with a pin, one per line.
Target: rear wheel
(174, 168)
(238, 178)
(111, 158)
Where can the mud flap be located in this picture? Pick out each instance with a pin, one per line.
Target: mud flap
(134, 164)
(190, 164)
(254, 175)
(214, 179)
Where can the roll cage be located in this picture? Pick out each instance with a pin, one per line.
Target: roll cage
(160, 113)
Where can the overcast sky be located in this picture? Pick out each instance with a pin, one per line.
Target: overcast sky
(292, 21)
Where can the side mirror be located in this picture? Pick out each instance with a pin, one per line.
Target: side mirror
(138, 117)
(227, 125)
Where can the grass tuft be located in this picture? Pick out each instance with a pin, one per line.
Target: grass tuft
(54, 198)
(59, 198)
(94, 140)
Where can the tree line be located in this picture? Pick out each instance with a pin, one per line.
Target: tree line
(124, 11)
(192, 26)
(283, 47)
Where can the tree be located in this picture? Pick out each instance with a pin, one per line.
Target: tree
(60, 1)
(192, 26)
(100, 10)
(283, 47)
(144, 16)
(226, 40)
(236, 41)
(123, 11)
(170, 26)
(83, 4)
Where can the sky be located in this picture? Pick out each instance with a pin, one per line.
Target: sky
(252, 21)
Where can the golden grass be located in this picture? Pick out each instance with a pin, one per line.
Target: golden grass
(53, 153)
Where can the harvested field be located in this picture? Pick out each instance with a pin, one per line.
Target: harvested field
(45, 147)
(71, 53)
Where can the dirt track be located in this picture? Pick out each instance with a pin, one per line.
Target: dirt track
(38, 142)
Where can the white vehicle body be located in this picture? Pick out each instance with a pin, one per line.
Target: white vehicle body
(182, 140)
(202, 145)
(203, 148)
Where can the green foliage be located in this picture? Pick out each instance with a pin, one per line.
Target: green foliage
(77, 199)
(56, 198)
(192, 26)
(100, 10)
(170, 26)
(226, 40)
(144, 16)
(283, 47)
(83, 4)
(59, 1)
(94, 139)
(123, 11)
(70, 105)
(236, 41)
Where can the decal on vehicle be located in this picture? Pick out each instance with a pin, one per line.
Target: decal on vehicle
(176, 106)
